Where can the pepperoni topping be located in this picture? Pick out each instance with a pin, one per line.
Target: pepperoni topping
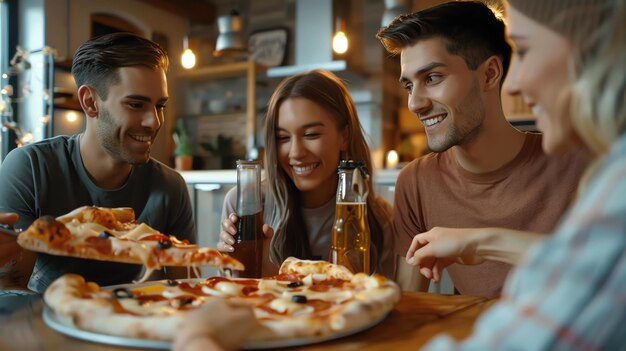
(103, 246)
(327, 284)
(319, 305)
(211, 282)
(150, 298)
(195, 289)
(287, 277)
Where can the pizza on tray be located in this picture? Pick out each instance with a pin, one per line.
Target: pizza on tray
(307, 299)
(113, 234)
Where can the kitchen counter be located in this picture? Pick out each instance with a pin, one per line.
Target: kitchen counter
(219, 176)
(229, 176)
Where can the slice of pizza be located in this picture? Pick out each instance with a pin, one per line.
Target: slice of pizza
(113, 234)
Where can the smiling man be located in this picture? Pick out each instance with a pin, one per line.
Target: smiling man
(122, 89)
(483, 172)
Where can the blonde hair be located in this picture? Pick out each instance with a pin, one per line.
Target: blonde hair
(282, 200)
(599, 93)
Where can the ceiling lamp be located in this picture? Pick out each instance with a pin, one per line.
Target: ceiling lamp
(230, 38)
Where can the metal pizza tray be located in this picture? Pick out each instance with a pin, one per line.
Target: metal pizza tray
(63, 326)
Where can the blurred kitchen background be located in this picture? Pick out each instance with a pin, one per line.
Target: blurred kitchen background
(241, 51)
(221, 100)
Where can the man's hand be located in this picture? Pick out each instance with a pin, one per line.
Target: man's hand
(219, 325)
(8, 218)
(16, 264)
(440, 247)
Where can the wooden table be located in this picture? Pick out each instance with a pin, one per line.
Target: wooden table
(414, 321)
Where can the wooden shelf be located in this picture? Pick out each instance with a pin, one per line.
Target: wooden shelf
(229, 70)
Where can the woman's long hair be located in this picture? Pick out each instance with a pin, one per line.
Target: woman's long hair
(599, 93)
(282, 200)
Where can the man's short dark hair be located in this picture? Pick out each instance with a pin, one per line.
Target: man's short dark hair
(97, 60)
(469, 29)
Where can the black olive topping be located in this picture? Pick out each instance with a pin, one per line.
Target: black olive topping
(122, 293)
(171, 282)
(295, 284)
(299, 298)
(104, 234)
(178, 303)
(164, 244)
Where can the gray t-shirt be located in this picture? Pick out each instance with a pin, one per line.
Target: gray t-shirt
(49, 178)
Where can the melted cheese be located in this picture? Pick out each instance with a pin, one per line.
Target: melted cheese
(139, 232)
(289, 307)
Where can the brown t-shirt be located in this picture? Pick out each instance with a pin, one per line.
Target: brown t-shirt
(529, 193)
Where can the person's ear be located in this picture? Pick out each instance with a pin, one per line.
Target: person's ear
(492, 73)
(88, 99)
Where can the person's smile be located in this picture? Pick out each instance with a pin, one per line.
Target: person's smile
(304, 169)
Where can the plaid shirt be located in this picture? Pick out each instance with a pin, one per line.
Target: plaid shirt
(570, 292)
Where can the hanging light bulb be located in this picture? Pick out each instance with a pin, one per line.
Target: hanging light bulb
(71, 117)
(188, 59)
(340, 40)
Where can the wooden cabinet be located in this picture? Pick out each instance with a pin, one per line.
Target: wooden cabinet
(221, 100)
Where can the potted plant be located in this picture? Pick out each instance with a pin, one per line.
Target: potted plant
(183, 157)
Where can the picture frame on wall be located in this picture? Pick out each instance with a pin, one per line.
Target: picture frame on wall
(268, 47)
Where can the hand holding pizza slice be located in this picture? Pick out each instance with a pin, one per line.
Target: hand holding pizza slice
(113, 234)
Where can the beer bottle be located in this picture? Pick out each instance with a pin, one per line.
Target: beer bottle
(249, 238)
(350, 244)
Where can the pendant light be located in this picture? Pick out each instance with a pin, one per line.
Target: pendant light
(230, 38)
(340, 40)
(188, 58)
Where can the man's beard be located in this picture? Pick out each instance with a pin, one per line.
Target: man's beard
(469, 116)
(106, 132)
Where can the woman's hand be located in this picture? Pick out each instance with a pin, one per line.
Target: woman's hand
(229, 229)
(440, 247)
(219, 325)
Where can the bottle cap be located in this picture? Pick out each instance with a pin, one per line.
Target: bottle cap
(352, 164)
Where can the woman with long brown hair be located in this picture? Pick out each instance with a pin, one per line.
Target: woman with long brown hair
(311, 125)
